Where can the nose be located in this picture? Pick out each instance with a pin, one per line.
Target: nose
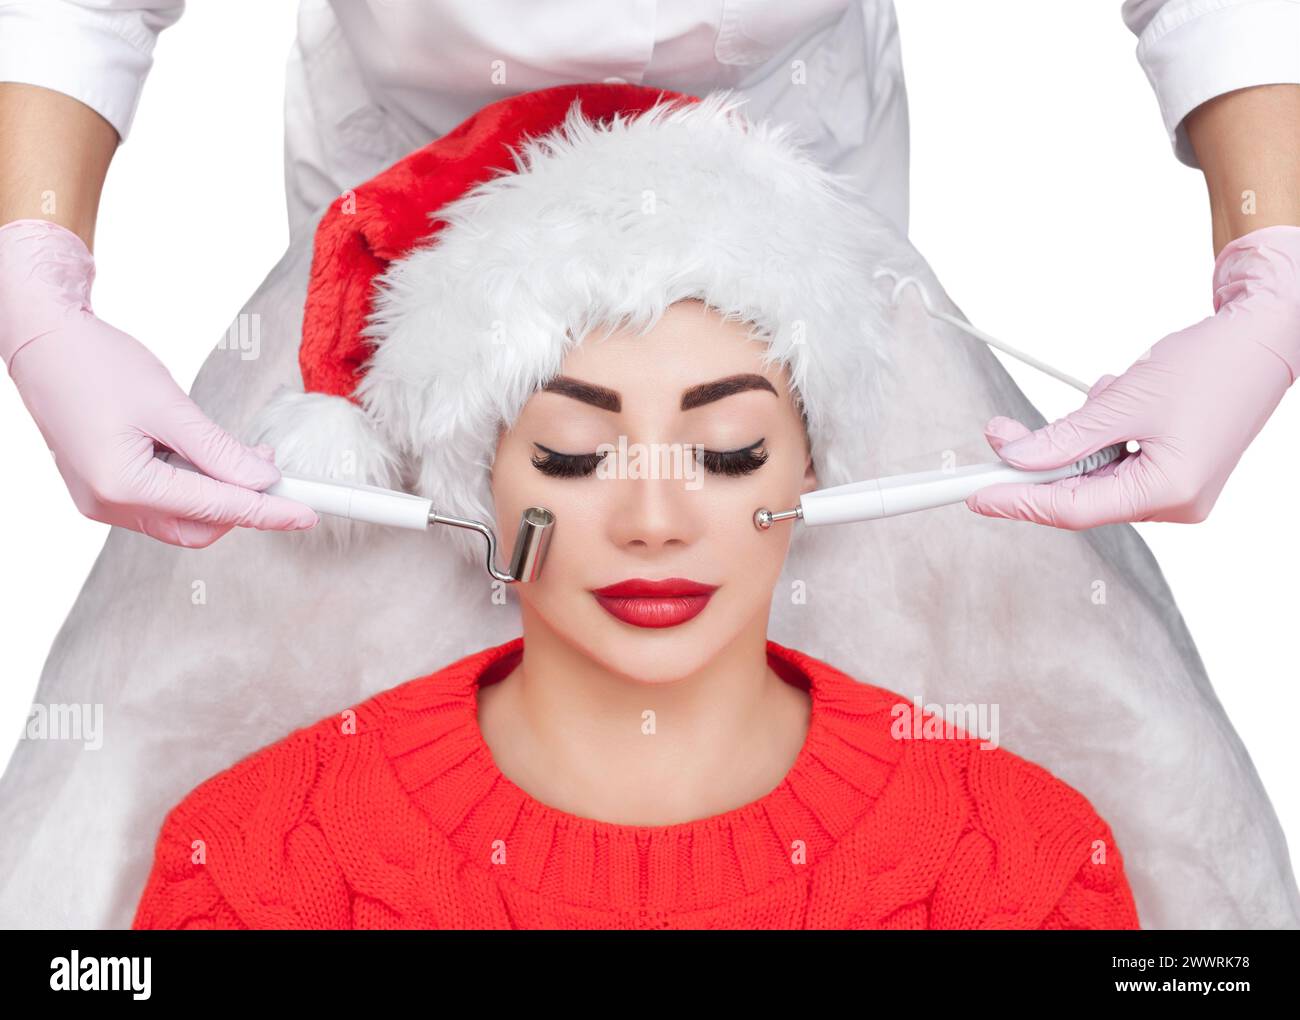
(653, 515)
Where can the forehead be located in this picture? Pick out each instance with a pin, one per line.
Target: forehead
(691, 343)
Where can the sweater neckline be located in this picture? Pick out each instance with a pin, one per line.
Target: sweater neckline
(432, 740)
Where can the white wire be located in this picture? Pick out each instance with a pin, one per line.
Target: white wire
(902, 281)
(1028, 359)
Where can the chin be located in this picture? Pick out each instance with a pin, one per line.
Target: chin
(653, 658)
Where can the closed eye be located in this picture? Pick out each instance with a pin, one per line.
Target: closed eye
(565, 465)
(732, 463)
(744, 461)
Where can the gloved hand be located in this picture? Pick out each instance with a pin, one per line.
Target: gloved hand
(105, 405)
(1194, 402)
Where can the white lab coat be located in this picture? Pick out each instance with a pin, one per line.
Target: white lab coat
(370, 80)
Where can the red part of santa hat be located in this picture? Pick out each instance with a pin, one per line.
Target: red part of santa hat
(365, 230)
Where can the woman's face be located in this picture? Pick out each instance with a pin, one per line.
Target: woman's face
(610, 447)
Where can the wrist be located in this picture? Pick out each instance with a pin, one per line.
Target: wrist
(1257, 278)
(46, 273)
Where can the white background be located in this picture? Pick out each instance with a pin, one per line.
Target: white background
(1044, 193)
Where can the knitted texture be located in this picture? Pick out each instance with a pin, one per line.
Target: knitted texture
(394, 815)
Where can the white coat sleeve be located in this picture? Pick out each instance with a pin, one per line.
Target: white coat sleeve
(96, 51)
(1194, 50)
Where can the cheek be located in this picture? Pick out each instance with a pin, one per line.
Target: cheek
(579, 521)
(757, 555)
(730, 504)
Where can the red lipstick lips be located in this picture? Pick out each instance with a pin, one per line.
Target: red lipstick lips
(644, 603)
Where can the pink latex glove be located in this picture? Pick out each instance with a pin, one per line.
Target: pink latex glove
(1194, 402)
(105, 405)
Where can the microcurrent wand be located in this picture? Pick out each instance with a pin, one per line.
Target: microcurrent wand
(402, 510)
(925, 490)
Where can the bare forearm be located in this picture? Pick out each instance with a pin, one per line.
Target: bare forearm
(1248, 145)
(53, 159)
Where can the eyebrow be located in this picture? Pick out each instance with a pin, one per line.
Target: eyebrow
(695, 396)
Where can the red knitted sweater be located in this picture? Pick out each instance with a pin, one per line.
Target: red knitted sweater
(394, 815)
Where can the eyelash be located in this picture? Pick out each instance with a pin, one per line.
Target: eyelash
(733, 463)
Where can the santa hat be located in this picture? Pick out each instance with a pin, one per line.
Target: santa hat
(447, 290)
